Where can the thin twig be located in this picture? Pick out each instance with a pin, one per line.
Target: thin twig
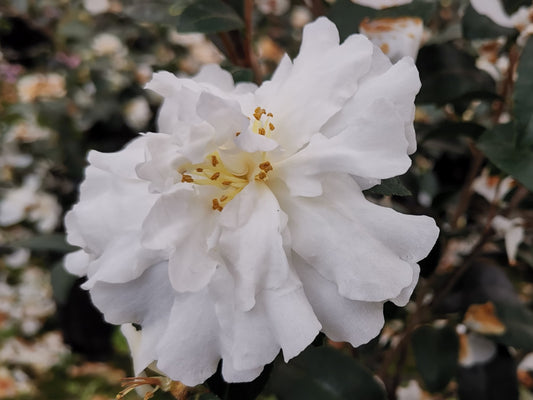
(251, 59)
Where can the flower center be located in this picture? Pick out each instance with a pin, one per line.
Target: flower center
(213, 172)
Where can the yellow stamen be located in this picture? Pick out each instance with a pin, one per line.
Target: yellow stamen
(215, 176)
(187, 178)
(262, 131)
(266, 166)
(214, 161)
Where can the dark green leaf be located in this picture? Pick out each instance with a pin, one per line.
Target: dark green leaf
(477, 26)
(155, 11)
(523, 100)
(323, 373)
(512, 5)
(499, 147)
(390, 187)
(518, 321)
(62, 282)
(48, 242)
(436, 351)
(424, 9)
(448, 129)
(449, 74)
(208, 16)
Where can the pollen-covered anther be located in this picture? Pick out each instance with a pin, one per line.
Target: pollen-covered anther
(271, 126)
(266, 166)
(187, 178)
(261, 176)
(237, 133)
(216, 205)
(258, 112)
(214, 161)
(215, 176)
(262, 131)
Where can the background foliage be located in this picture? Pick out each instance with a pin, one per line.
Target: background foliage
(71, 79)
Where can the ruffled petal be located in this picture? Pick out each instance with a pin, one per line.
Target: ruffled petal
(398, 85)
(373, 147)
(180, 225)
(342, 319)
(146, 301)
(251, 243)
(344, 249)
(315, 88)
(214, 75)
(77, 262)
(189, 349)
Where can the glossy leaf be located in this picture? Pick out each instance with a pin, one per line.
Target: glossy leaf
(390, 187)
(498, 144)
(54, 242)
(436, 351)
(449, 74)
(518, 321)
(477, 26)
(323, 373)
(523, 100)
(208, 16)
(512, 6)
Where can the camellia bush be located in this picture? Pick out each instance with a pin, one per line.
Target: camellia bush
(269, 199)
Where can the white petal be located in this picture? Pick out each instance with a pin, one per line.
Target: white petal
(345, 249)
(292, 318)
(323, 77)
(342, 319)
(224, 116)
(247, 338)
(77, 262)
(216, 76)
(399, 85)
(189, 350)
(406, 292)
(373, 147)
(251, 142)
(146, 301)
(251, 243)
(180, 224)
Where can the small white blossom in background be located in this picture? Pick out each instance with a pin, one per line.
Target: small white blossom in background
(412, 391)
(137, 113)
(493, 187)
(107, 44)
(40, 355)
(28, 131)
(14, 383)
(512, 231)
(474, 349)
(275, 7)
(17, 258)
(300, 16)
(40, 86)
(241, 227)
(28, 303)
(522, 19)
(396, 37)
(95, 7)
(28, 202)
(201, 50)
(380, 4)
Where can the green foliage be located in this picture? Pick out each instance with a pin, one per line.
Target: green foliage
(53, 242)
(323, 373)
(522, 98)
(436, 352)
(500, 147)
(390, 187)
(518, 321)
(206, 16)
(512, 6)
(476, 26)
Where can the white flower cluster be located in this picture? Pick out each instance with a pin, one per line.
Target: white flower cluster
(241, 227)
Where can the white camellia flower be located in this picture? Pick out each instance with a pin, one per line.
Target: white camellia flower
(380, 4)
(396, 37)
(241, 228)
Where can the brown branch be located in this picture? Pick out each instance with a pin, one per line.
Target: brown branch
(251, 59)
(231, 52)
(317, 8)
